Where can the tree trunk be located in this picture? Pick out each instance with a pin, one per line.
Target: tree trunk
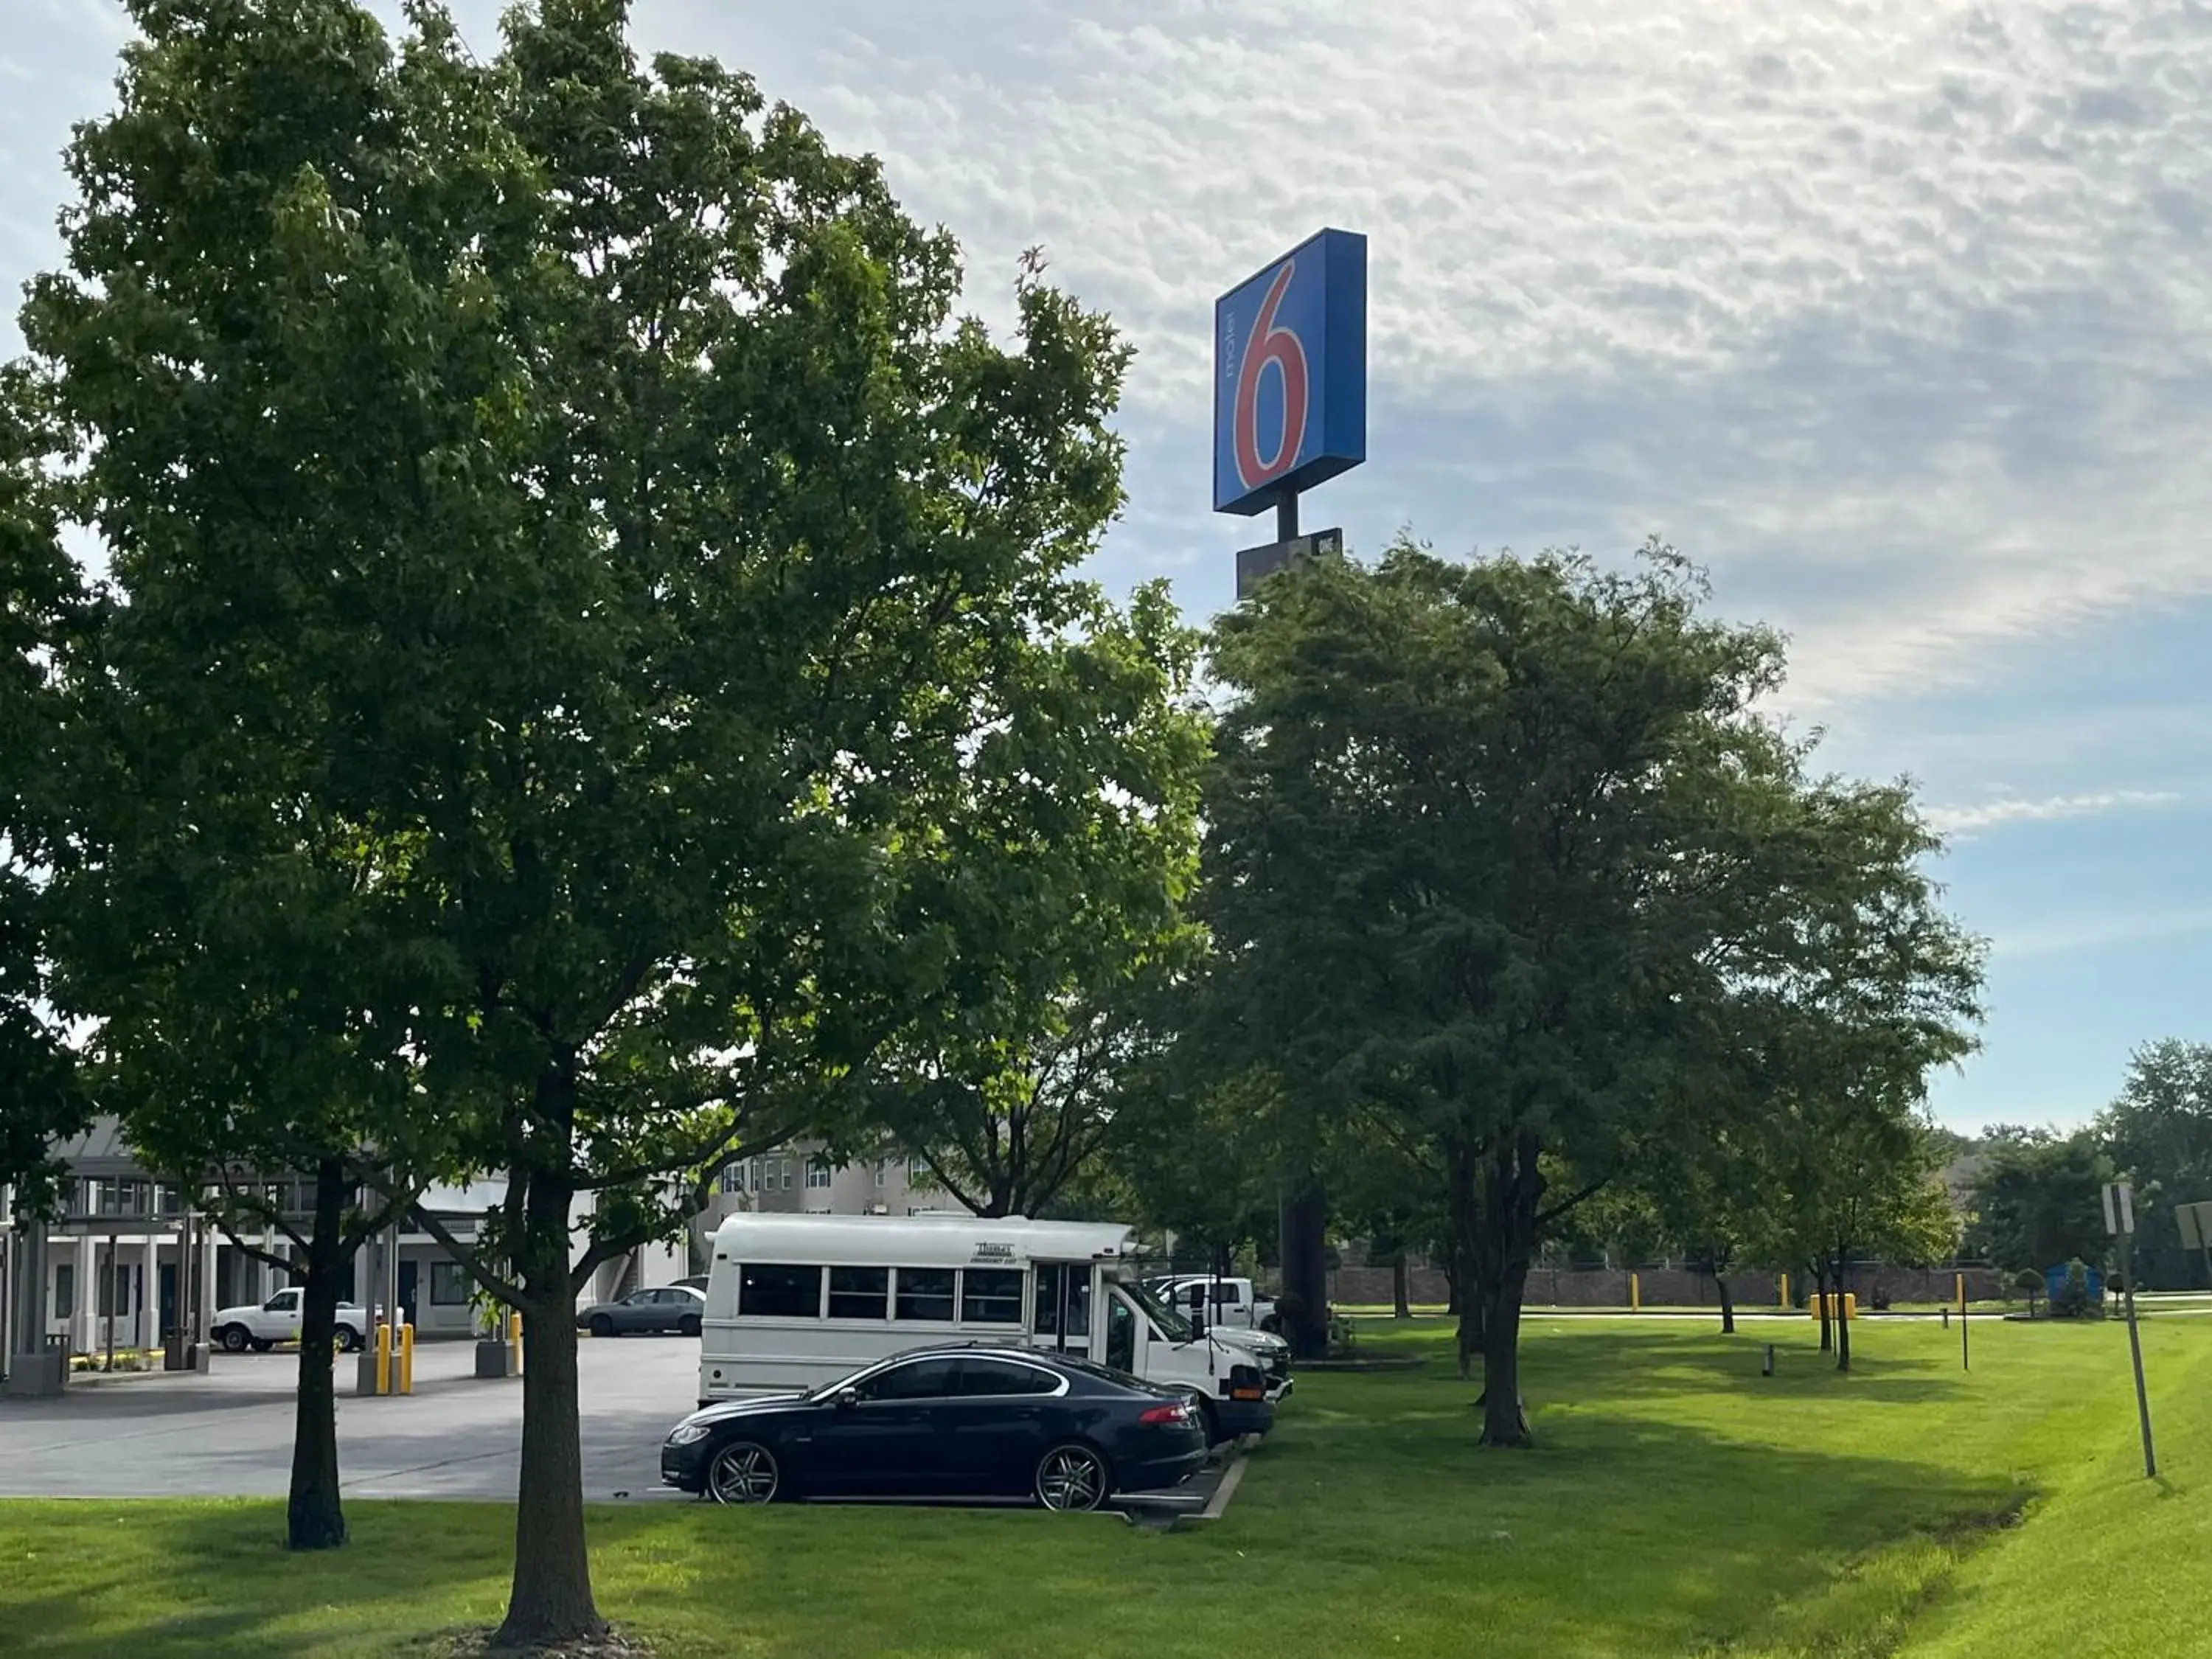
(313, 1518)
(1820, 1301)
(1304, 1221)
(551, 1599)
(1728, 1304)
(1843, 1322)
(1401, 1295)
(1504, 1421)
(1451, 1285)
(1507, 1187)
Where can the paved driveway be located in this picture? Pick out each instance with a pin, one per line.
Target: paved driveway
(229, 1433)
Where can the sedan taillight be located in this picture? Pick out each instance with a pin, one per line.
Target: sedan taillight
(1179, 1412)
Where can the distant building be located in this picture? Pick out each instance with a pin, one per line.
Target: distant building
(109, 1263)
(800, 1179)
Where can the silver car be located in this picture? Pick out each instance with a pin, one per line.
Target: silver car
(670, 1308)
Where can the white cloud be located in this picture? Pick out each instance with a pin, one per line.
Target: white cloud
(1898, 312)
(1968, 820)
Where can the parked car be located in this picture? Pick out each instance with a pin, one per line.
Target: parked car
(1231, 1301)
(669, 1308)
(278, 1320)
(967, 1421)
(696, 1281)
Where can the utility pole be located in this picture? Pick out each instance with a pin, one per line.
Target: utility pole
(2120, 1222)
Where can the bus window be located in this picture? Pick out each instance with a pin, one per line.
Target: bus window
(1049, 1283)
(991, 1295)
(925, 1293)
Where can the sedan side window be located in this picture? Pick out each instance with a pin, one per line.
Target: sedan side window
(924, 1379)
(1003, 1376)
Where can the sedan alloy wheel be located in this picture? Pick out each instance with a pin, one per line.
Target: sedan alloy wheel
(1072, 1478)
(742, 1472)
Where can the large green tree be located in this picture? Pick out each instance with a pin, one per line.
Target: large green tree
(2038, 1199)
(44, 616)
(1506, 849)
(2158, 1131)
(267, 343)
(1070, 905)
(563, 487)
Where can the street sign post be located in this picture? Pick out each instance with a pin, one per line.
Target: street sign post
(2120, 1222)
(1290, 379)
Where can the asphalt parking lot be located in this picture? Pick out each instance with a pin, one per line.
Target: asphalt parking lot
(228, 1433)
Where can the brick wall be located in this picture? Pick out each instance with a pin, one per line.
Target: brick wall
(1608, 1287)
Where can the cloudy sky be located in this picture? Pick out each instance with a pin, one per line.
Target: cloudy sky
(1896, 314)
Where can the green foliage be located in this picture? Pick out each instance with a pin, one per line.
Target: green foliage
(2158, 1132)
(580, 578)
(1063, 864)
(1506, 868)
(43, 615)
(2038, 1199)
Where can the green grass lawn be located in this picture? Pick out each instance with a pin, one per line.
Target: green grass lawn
(1680, 1504)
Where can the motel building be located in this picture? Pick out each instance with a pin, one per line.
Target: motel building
(111, 1267)
(108, 1271)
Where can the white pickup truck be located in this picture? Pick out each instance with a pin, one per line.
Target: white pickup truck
(1231, 1301)
(278, 1320)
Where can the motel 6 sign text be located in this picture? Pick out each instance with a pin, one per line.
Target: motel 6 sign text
(1289, 381)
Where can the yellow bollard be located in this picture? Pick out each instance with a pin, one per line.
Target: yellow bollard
(407, 1359)
(1635, 1294)
(1962, 1292)
(514, 1340)
(1785, 1289)
(384, 1359)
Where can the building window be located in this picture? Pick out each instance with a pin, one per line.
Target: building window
(64, 1290)
(925, 1293)
(860, 1293)
(780, 1292)
(991, 1295)
(786, 1175)
(449, 1285)
(883, 1169)
(817, 1175)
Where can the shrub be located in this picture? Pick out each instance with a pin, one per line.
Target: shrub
(2074, 1300)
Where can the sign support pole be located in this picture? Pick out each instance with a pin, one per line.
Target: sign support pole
(1286, 517)
(2120, 1222)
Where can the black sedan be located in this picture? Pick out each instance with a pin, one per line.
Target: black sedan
(964, 1421)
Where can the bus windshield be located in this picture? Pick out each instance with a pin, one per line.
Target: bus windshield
(1173, 1325)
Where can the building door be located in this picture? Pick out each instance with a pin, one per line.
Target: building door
(407, 1291)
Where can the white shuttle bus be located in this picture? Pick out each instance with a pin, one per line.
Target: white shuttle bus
(795, 1301)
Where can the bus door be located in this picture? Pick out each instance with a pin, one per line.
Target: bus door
(1061, 1317)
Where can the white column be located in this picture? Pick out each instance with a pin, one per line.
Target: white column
(203, 1303)
(81, 1328)
(149, 1292)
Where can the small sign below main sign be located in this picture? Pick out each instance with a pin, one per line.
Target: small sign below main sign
(1255, 563)
(1290, 375)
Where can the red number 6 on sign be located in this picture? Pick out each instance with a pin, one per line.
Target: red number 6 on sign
(1282, 347)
